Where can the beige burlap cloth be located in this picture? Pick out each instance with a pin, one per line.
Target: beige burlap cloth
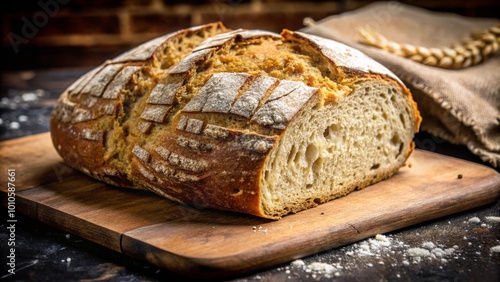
(460, 106)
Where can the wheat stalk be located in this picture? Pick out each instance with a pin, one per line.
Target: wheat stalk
(471, 52)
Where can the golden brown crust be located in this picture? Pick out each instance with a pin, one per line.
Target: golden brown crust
(143, 120)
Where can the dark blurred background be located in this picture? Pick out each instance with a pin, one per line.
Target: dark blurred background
(74, 33)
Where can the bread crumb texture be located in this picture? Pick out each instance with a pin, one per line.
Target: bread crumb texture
(241, 120)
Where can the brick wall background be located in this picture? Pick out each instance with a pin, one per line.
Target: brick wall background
(74, 33)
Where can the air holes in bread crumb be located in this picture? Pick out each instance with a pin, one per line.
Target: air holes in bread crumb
(326, 133)
(395, 140)
(317, 166)
(375, 166)
(402, 118)
(330, 132)
(312, 153)
(292, 154)
(400, 150)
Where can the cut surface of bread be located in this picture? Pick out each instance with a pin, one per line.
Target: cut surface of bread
(245, 120)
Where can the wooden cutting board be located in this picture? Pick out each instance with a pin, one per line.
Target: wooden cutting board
(208, 243)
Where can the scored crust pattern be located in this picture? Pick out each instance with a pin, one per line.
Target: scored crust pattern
(133, 122)
(262, 100)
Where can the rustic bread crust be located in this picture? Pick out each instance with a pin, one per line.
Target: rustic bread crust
(194, 138)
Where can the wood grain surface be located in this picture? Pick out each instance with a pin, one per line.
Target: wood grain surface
(205, 243)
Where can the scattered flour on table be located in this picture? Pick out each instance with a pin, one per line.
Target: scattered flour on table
(495, 249)
(474, 220)
(431, 251)
(418, 252)
(316, 268)
(385, 249)
(488, 220)
(373, 251)
(493, 219)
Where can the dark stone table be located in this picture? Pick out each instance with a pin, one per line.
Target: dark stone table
(461, 247)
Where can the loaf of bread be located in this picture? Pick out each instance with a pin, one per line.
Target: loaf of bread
(245, 120)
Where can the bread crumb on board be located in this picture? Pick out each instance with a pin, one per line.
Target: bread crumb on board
(259, 229)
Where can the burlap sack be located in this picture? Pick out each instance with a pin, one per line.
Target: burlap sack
(460, 106)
